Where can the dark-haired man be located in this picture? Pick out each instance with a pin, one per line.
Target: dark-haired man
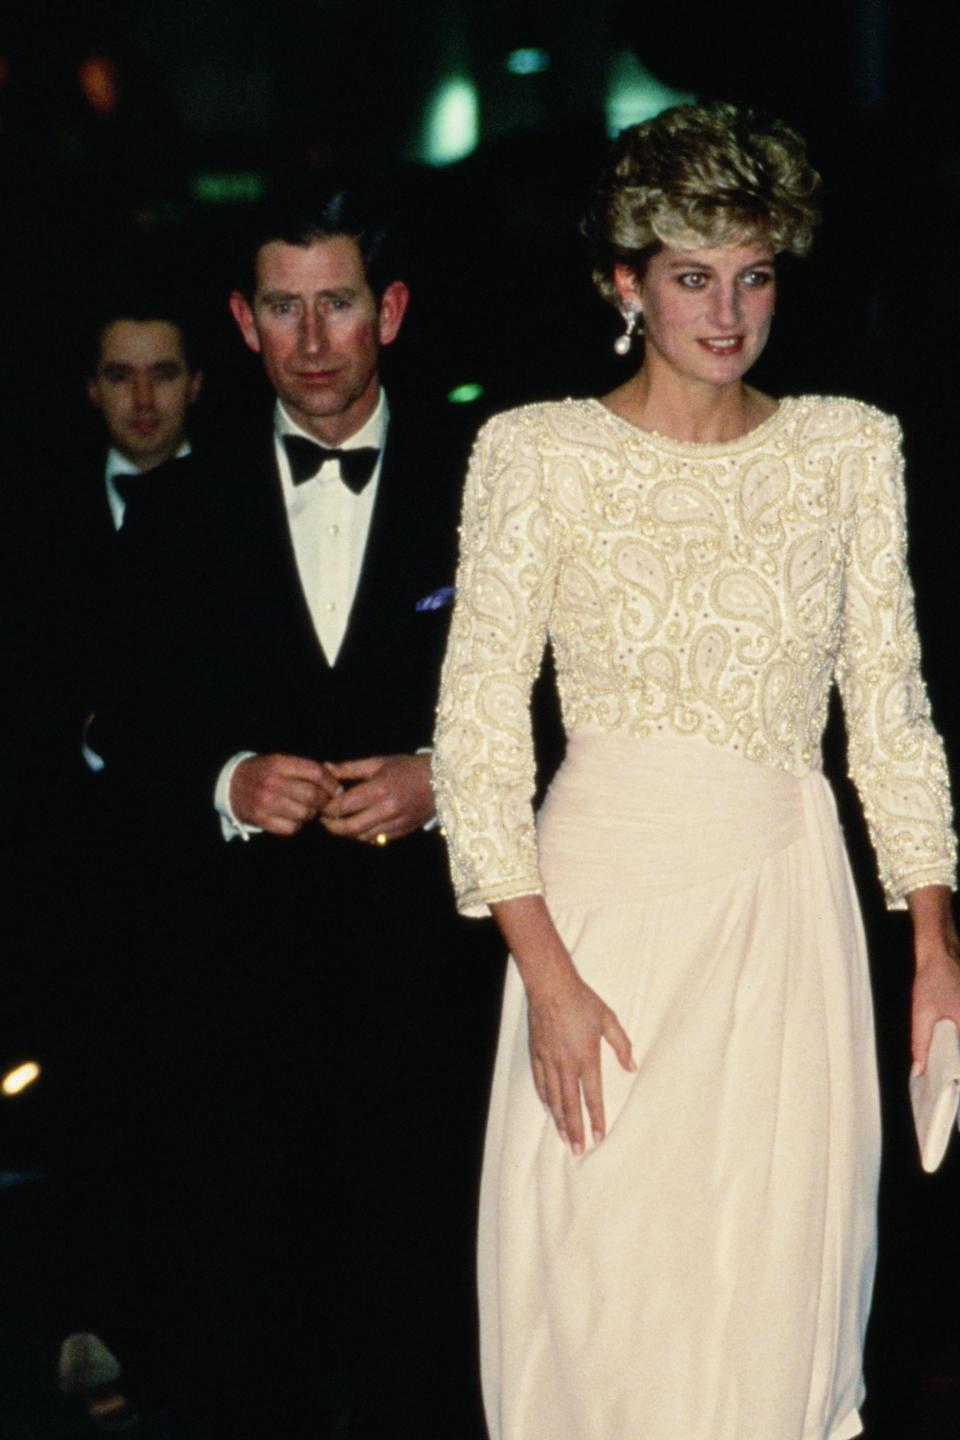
(143, 383)
(75, 893)
(280, 673)
(318, 327)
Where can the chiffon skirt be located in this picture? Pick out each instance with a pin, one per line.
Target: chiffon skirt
(705, 1272)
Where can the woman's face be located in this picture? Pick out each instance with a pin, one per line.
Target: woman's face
(706, 312)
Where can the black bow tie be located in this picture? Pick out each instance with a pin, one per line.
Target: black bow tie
(306, 457)
(127, 483)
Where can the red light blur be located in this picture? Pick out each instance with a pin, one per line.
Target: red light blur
(98, 81)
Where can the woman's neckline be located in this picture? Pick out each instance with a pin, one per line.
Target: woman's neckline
(700, 447)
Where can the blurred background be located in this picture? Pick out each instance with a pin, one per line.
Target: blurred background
(135, 133)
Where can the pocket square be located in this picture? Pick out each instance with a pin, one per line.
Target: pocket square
(437, 599)
(935, 1095)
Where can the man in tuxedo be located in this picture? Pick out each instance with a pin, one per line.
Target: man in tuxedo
(67, 904)
(143, 380)
(289, 598)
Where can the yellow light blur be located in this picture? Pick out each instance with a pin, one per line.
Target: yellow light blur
(18, 1079)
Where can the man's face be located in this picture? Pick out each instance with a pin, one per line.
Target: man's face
(144, 388)
(316, 324)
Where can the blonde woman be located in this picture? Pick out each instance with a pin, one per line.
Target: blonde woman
(678, 1207)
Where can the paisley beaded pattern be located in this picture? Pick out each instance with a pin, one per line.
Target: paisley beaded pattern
(704, 590)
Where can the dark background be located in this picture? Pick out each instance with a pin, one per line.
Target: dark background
(134, 133)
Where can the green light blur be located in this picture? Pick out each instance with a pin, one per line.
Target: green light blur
(634, 95)
(227, 188)
(530, 60)
(465, 394)
(452, 125)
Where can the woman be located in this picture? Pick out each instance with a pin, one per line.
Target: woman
(689, 964)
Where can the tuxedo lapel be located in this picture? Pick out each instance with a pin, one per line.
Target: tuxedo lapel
(401, 534)
(258, 518)
(373, 586)
(83, 512)
(102, 528)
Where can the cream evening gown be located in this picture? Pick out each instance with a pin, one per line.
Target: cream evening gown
(705, 1272)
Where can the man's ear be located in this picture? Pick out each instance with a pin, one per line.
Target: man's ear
(393, 307)
(241, 311)
(196, 385)
(93, 393)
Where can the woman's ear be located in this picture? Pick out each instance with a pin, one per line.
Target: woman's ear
(627, 287)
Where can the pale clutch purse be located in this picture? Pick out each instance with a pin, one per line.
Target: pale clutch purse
(935, 1095)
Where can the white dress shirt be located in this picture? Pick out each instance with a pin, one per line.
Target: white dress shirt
(329, 526)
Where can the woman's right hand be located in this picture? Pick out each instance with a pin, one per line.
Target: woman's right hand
(567, 1021)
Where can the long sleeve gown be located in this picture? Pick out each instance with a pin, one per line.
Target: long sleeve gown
(705, 1272)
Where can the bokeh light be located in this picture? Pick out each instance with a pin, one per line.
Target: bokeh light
(20, 1078)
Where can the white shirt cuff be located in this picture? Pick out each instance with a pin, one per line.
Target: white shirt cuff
(230, 826)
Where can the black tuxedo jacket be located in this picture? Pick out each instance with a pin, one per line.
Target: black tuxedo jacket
(80, 584)
(216, 651)
(59, 544)
(88, 543)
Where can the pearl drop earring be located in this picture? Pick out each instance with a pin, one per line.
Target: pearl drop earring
(623, 342)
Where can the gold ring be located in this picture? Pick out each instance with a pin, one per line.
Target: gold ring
(380, 839)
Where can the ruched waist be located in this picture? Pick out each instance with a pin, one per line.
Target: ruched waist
(628, 819)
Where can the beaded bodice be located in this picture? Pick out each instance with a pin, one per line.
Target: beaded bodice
(710, 590)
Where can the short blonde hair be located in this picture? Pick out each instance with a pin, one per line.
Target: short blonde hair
(700, 175)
